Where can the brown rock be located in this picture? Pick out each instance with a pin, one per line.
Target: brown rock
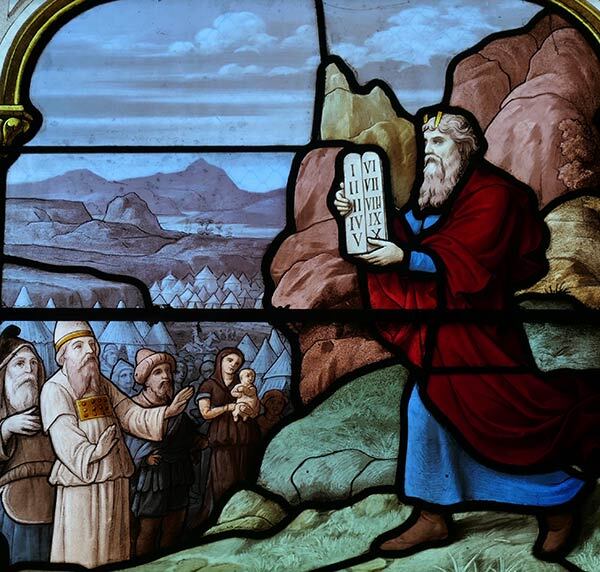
(323, 281)
(315, 179)
(480, 86)
(546, 26)
(512, 55)
(310, 334)
(320, 238)
(370, 118)
(573, 253)
(329, 360)
(535, 95)
(531, 126)
(566, 66)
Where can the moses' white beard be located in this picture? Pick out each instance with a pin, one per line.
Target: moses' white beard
(439, 178)
(83, 377)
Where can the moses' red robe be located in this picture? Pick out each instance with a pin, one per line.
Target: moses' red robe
(490, 242)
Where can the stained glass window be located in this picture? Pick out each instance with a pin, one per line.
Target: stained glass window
(298, 286)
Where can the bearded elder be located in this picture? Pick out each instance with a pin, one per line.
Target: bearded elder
(483, 424)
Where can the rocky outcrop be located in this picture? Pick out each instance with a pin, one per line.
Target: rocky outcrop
(309, 273)
(332, 351)
(39, 211)
(573, 253)
(307, 269)
(357, 446)
(131, 209)
(248, 510)
(370, 119)
(535, 95)
(483, 80)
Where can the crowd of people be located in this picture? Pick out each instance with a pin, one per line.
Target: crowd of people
(120, 464)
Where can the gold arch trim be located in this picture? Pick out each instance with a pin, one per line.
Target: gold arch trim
(585, 12)
(16, 121)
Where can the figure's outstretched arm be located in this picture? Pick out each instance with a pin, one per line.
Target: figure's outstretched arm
(209, 412)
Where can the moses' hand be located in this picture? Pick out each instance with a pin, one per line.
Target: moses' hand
(341, 203)
(108, 439)
(25, 423)
(179, 403)
(387, 253)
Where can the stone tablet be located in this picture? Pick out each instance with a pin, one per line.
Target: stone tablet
(363, 184)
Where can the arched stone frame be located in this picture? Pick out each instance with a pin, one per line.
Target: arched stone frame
(27, 25)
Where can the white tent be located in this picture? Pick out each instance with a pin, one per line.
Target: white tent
(143, 328)
(206, 279)
(98, 327)
(154, 290)
(232, 284)
(246, 300)
(23, 299)
(244, 281)
(176, 302)
(276, 342)
(203, 294)
(279, 375)
(212, 303)
(248, 348)
(121, 304)
(123, 335)
(160, 301)
(231, 302)
(186, 295)
(179, 287)
(264, 359)
(167, 282)
(159, 339)
(50, 304)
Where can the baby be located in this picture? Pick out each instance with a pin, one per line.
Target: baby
(247, 403)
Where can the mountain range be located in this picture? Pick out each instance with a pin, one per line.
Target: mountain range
(199, 188)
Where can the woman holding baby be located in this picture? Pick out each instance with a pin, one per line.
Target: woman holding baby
(233, 436)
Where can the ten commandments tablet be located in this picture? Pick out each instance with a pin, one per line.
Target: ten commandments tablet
(363, 186)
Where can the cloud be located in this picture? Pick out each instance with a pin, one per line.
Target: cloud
(417, 34)
(357, 55)
(237, 70)
(234, 32)
(284, 70)
(304, 37)
(182, 48)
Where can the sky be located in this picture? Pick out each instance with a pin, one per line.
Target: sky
(409, 44)
(191, 72)
(225, 72)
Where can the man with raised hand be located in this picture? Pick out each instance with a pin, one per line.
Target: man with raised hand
(85, 415)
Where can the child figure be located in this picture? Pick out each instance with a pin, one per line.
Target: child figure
(247, 403)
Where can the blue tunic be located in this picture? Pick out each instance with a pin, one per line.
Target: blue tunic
(439, 471)
(26, 542)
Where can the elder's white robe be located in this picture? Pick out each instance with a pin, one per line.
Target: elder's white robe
(91, 520)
